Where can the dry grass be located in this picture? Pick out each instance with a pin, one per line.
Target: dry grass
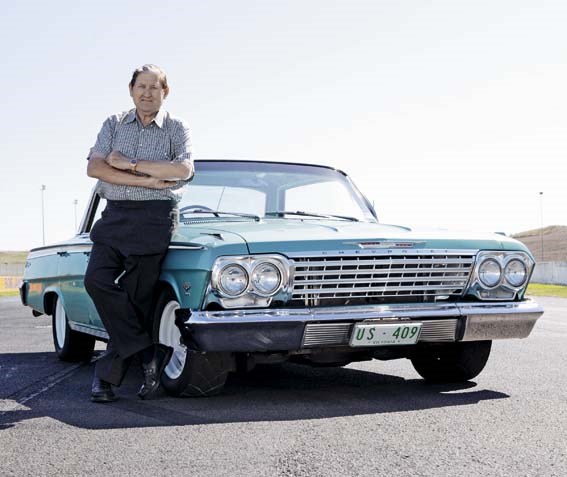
(13, 257)
(554, 243)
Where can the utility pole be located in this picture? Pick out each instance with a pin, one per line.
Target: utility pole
(75, 202)
(42, 214)
(541, 217)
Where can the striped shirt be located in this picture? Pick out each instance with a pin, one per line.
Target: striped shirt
(164, 139)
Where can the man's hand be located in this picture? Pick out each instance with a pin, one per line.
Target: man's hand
(119, 161)
(155, 183)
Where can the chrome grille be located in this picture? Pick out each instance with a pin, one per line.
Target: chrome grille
(409, 274)
(338, 334)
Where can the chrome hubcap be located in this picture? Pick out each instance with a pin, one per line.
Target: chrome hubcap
(60, 324)
(169, 335)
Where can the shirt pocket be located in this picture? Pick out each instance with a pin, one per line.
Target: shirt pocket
(158, 146)
(125, 140)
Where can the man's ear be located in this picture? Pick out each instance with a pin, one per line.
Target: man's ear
(131, 90)
(165, 92)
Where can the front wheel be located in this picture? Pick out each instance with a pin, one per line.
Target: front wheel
(69, 345)
(452, 362)
(188, 373)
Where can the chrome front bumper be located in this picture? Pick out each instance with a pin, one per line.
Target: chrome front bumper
(287, 329)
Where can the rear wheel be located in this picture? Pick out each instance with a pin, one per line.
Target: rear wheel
(452, 362)
(188, 373)
(69, 345)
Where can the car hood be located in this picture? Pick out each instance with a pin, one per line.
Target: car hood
(293, 235)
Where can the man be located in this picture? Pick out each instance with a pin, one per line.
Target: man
(142, 159)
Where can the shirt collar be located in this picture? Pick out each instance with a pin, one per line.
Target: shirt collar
(160, 117)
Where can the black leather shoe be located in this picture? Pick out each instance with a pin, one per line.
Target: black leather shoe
(154, 369)
(101, 391)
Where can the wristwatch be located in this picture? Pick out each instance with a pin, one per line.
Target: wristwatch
(133, 164)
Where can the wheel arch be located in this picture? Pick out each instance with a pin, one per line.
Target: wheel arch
(166, 280)
(49, 298)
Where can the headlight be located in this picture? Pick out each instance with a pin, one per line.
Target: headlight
(515, 272)
(249, 280)
(266, 278)
(233, 280)
(489, 273)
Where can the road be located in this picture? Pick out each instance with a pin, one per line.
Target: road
(368, 419)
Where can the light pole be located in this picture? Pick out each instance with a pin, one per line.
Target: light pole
(75, 202)
(42, 214)
(541, 217)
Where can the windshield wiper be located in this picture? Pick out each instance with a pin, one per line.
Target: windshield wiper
(302, 213)
(216, 213)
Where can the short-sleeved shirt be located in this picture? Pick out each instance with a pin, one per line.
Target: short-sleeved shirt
(165, 139)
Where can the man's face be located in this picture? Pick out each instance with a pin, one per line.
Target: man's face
(148, 93)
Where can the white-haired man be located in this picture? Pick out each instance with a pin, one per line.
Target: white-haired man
(142, 159)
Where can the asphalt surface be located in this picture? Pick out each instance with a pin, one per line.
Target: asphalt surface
(373, 418)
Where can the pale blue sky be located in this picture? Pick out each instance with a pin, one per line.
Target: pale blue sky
(446, 113)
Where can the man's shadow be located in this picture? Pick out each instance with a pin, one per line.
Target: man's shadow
(278, 393)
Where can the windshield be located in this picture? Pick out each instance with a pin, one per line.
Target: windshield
(272, 190)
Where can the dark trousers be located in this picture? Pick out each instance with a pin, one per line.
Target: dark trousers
(129, 244)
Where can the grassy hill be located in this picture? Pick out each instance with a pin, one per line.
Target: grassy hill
(13, 257)
(554, 243)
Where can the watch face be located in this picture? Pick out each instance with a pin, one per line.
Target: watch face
(133, 162)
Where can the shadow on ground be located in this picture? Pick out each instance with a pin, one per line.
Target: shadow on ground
(283, 393)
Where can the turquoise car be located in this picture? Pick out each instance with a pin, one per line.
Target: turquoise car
(275, 262)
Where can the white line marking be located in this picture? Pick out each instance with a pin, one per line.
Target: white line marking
(53, 380)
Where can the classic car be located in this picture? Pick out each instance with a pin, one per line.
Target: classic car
(275, 262)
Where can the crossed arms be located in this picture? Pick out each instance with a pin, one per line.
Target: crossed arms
(115, 169)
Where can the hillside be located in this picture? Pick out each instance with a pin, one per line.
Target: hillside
(13, 257)
(554, 243)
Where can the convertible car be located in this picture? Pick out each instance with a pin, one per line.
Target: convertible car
(275, 262)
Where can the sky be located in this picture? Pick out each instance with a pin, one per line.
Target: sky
(449, 114)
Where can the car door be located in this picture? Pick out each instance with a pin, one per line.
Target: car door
(72, 264)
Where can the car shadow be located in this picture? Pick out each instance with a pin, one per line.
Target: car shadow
(279, 393)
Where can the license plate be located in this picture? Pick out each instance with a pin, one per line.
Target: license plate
(377, 334)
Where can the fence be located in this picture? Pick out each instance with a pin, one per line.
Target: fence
(10, 276)
(551, 273)
(11, 269)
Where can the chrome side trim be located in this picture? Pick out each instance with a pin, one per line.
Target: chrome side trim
(88, 330)
(54, 249)
(185, 247)
(86, 246)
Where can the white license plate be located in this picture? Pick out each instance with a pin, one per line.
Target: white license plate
(377, 334)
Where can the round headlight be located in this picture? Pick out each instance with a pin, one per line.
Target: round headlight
(266, 278)
(516, 272)
(490, 272)
(233, 280)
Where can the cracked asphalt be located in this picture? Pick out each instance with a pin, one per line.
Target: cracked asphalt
(367, 419)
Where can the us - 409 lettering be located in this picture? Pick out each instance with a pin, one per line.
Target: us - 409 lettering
(402, 332)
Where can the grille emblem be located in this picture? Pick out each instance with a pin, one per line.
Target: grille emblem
(389, 244)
